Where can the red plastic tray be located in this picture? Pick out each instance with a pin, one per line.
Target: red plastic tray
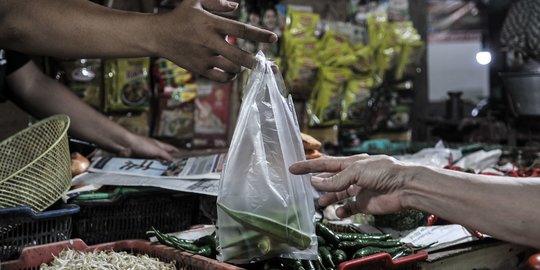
(33, 257)
(383, 261)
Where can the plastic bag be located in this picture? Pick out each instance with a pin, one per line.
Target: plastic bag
(263, 210)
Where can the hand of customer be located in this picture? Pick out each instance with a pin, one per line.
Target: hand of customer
(194, 38)
(376, 182)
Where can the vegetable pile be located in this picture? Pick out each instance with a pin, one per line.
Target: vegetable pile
(73, 259)
(334, 248)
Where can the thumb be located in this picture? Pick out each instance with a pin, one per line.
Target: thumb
(219, 5)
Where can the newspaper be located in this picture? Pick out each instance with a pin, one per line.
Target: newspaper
(201, 167)
(191, 174)
(97, 179)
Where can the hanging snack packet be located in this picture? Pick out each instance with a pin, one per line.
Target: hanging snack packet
(355, 104)
(326, 101)
(263, 210)
(126, 85)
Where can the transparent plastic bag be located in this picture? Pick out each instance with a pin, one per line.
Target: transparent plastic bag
(263, 210)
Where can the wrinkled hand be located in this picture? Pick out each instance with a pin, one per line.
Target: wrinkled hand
(375, 181)
(144, 147)
(194, 39)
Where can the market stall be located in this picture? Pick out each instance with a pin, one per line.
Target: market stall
(302, 161)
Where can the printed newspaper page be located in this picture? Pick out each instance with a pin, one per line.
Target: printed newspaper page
(192, 168)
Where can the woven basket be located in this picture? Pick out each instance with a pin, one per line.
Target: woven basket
(35, 165)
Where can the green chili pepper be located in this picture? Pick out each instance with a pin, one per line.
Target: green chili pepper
(324, 252)
(328, 235)
(321, 241)
(338, 256)
(292, 264)
(264, 225)
(246, 237)
(374, 250)
(265, 245)
(175, 242)
(309, 265)
(359, 243)
(354, 236)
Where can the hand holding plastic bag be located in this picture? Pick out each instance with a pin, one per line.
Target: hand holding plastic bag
(263, 210)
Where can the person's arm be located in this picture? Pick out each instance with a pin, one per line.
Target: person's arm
(190, 36)
(42, 96)
(503, 207)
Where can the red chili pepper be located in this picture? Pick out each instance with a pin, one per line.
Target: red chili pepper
(431, 220)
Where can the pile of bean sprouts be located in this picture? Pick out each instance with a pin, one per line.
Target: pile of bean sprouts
(73, 259)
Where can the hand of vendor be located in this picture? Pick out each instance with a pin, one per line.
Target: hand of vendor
(195, 39)
(188, 35)
(375, 181)
(145, 147)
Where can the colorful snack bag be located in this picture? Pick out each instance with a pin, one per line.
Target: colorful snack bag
(212, 115)
(126, 85)
(355, 104)
(326, 101)
(83, 77)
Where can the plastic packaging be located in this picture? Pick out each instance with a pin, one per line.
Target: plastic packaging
(263, 210)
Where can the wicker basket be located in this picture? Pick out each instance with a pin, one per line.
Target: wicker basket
(35, 166)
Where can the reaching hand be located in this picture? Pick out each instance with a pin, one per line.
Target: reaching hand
(144, 147)
(377, 182)
(194, 39)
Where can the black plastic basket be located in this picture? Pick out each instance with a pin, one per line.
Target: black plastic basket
(130, 214)
(21, 227)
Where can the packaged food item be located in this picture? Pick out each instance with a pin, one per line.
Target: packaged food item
(355, 109)
(175, 116)
(135, 122)
(84, 78)
(326, 99)
(212, 114)
(167, 74)
(126, 85)
(334, 51)
(411, 49)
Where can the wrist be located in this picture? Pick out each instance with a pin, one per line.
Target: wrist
(154, 44)
(413, 178)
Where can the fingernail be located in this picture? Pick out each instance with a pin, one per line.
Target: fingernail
(273, 38)
(316, 180)
(233, 5)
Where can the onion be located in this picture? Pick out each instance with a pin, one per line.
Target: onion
(79, 164)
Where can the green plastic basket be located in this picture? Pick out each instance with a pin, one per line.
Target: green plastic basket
(35, 165)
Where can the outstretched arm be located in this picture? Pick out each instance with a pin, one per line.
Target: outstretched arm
(42, 96)
(503, 207)
(190, 36)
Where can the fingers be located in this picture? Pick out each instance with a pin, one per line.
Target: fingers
(167, 147)
(219, 5)
(244, 31)
(334, 197)
(226, 65)
(327, 164)
(164, 155)
(218, 75)
(336, 183)
(234, 54)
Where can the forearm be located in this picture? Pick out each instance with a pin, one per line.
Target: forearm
(504, 207)
(75, 28)
(43, 96)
